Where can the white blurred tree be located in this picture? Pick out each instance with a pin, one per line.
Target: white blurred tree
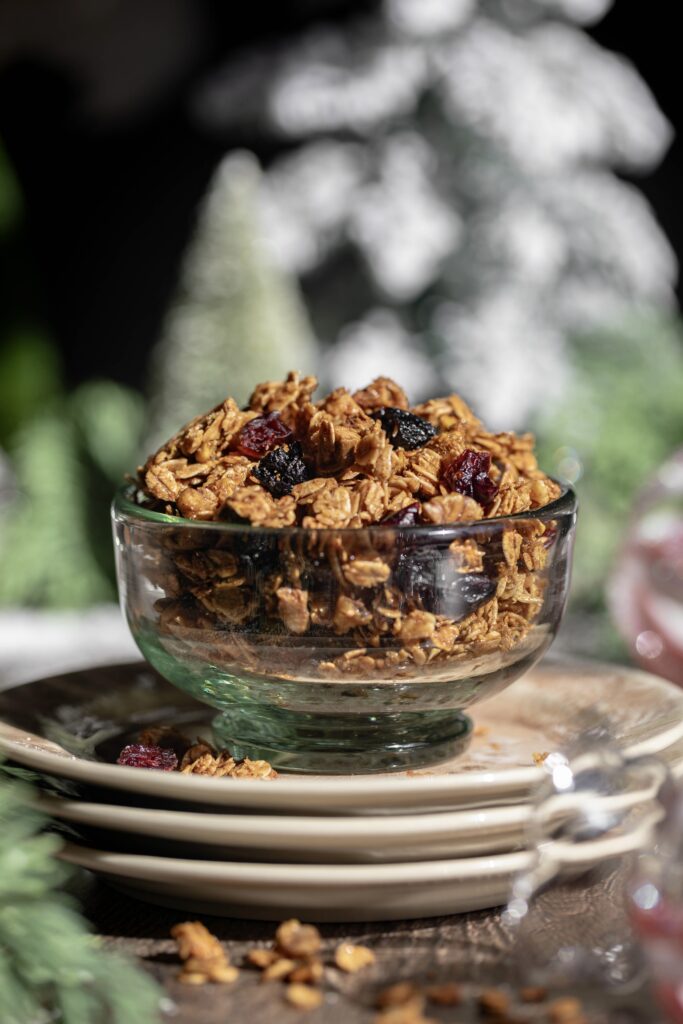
(236, 319)
(449, 197)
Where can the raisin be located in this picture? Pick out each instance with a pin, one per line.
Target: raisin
(404, 429)
(282, 469)
(137, 755)
(474, 588)
(427, 578)
(260, 435)
(469, 474)
(406, 516)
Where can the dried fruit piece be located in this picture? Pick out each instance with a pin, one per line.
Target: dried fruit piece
(404, 429)
(262, 434)
(469, 474)
(424, 576)
(282, 469)
(351, 958)
(303, 996)
(409, 515)
(296, 939)
(138, 755)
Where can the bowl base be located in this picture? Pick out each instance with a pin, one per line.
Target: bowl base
(342, 744)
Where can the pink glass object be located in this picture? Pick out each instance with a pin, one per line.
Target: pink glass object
(646, 590)
(657, 910)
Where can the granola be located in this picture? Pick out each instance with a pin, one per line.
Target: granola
(204, 959)
(382, 603)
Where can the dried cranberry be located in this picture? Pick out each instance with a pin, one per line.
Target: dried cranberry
(406, 516)
(282, 469)
(404, 429)
(428, 578)
(261, 434)
(137, 755)
(469, 474)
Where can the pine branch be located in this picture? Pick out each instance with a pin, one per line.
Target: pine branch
(51, 967)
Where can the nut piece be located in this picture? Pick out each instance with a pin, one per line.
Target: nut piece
(295, 939)
(352, 958)
(303, 996)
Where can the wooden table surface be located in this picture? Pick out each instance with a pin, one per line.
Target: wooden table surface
(477, 949)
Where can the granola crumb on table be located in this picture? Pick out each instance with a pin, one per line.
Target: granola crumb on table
(345, 462)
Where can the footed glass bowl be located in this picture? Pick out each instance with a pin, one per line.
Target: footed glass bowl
(343, 650)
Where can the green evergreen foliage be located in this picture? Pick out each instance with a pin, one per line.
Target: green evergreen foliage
(622, 414)
(236, 319)
(51, 968)
(67, 459)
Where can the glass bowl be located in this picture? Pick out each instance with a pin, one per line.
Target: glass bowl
(343, 650)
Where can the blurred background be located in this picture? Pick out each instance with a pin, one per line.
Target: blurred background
(472, 195)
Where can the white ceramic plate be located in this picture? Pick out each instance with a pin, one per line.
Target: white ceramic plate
(332, 892)
(336, 839)
(545, 710)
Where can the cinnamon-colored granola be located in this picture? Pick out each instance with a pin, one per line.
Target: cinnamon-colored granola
(346, 462)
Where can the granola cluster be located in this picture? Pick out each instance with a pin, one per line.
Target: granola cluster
(381, 603)
(296, 957)
(165, 748)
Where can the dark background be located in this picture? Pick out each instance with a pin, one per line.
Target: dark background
(110, 191)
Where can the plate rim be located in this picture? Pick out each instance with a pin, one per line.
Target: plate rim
(354, 790)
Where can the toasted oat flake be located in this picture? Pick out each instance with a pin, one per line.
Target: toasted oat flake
(303, 997)
(203, 956)
(566, 1010)
(351, 958)
(296, 939)
(494, 1003)
(448, 994)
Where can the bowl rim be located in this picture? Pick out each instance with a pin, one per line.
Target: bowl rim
(123, 505)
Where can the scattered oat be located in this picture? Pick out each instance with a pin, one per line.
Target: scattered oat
(279, 969)
(399, 994)
(533, 994)
(351, 958)
(261, 958)
(303, 996)
(494, 1003)
(565, 1011)
(296, 939)
(204, 959)
(449, 994)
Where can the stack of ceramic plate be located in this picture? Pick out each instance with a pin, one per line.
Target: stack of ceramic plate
(358, 847)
